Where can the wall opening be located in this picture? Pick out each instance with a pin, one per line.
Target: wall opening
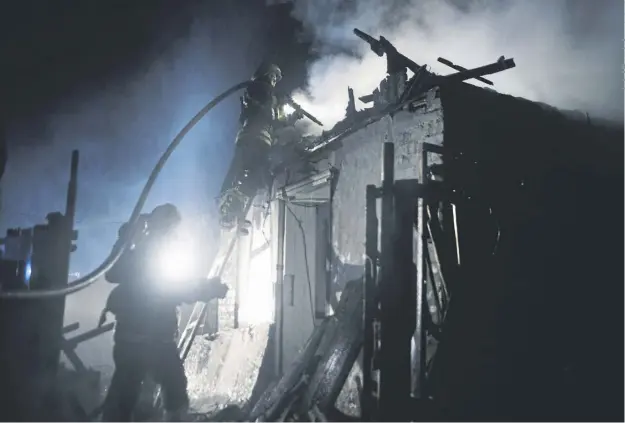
(306, 275)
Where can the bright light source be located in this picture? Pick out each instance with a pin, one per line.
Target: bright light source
(176, 262)
(28, 271)
(287, 109)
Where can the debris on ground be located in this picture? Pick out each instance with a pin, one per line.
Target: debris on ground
(223, 371)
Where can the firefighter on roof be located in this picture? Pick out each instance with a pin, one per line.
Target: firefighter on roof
(249, 171)
(145, 310)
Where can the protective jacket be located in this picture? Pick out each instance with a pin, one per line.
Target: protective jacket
(259, 112)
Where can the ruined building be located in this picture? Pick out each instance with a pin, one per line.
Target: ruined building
(533, 326)
(508, 263)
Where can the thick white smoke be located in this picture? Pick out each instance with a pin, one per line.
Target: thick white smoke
(568, 53)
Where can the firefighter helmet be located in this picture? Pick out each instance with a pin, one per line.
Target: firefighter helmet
(268, 70)
(164, 216)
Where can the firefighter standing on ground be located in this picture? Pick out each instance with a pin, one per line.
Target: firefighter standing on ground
(261, 113)
(147, 323)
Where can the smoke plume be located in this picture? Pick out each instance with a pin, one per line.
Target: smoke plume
(568, 53)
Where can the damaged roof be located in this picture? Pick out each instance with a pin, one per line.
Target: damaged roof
(331, 139)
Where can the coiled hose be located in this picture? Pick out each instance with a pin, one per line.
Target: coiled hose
(123, 243)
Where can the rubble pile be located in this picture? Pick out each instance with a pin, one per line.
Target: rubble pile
(223, 369)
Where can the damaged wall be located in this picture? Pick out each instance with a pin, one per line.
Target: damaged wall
(360, 163)
(547, 174)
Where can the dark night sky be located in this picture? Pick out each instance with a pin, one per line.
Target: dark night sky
(68, 47)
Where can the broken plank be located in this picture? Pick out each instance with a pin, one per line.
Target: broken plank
(71, 328)
(90, 334)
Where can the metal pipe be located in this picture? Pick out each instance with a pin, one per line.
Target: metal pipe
(279, 291)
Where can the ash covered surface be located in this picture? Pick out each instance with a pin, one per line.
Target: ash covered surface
(348, 401)
(224, 370)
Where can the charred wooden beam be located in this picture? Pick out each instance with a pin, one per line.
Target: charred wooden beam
(340, 348)
(89, 334)
(71, 328)
(72, 357)
(269, 402)
(460, 68)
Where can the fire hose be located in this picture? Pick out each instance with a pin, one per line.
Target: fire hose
(135, 216)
